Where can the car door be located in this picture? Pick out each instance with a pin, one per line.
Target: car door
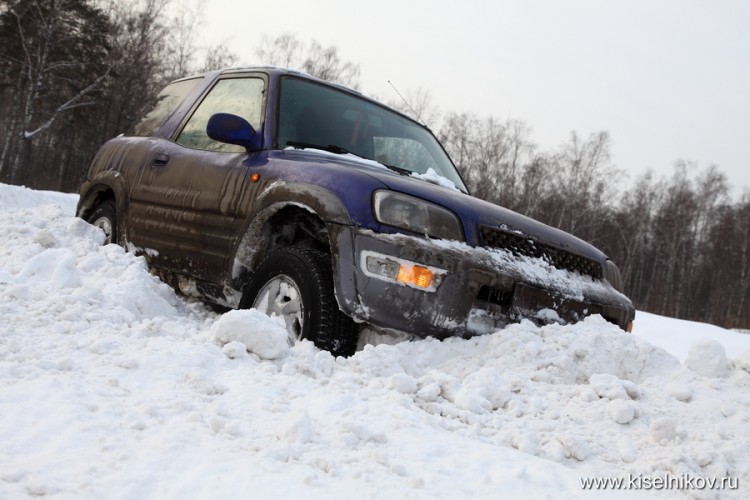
(185, 200)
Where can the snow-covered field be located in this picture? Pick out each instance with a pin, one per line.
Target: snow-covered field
(112, 386)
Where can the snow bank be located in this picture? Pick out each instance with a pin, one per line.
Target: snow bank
(112, 386)
(15, 197)
(678, 336)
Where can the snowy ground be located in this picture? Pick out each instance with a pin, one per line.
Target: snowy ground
(112, 386)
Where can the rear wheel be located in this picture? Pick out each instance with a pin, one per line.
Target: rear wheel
(296, 284)
(104, 217)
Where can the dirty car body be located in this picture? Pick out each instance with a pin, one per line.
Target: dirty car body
(237, 166)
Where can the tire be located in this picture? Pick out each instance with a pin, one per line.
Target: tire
(104, 217)
(296, 283)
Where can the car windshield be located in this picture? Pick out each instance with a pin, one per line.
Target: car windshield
(312, 115)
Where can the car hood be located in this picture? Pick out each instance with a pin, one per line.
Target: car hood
(472, 211)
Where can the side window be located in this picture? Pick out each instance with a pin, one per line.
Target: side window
(239, 96)
(166, 103)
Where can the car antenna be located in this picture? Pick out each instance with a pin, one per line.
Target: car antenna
(419, 117)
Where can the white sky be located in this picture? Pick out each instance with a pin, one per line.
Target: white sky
(669, 79)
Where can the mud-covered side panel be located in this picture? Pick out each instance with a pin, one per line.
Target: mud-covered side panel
(184, 204)
(111, 173)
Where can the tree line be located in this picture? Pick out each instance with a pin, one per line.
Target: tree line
(74, 73)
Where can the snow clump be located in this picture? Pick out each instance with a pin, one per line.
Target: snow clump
(260, 334)
(708, 358)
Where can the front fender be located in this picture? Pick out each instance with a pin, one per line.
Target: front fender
(252, 246)
(316, 199)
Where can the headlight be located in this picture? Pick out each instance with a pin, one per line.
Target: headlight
(416, 215)
(613, 275)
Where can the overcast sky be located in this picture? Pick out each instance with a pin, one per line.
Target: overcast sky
(668, 79)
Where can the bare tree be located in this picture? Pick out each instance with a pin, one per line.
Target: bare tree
(584, 178)
(285, 51)
(416, 103)
(73, 75)
(217, 57)
(495, 157)
(312, 58)
(139, 58)
(325, 63)
(59, 49)
(740, 315)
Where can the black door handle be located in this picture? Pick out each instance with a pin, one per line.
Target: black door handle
(160, 159)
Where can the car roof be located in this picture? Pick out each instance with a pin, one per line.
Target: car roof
(272, 70)
(276, 71)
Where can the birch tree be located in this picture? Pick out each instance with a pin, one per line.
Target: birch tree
(57, 49)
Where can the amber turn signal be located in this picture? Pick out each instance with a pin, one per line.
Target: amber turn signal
(630, 327)
(255, 177)
(415, 275)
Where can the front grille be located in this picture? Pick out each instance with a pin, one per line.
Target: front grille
(495, 296)
(521, 245)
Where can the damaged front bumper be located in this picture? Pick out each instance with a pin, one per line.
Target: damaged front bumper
(439, 288)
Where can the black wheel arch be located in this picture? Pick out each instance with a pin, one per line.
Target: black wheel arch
(289, 214)
(109, 185)
(280, 225)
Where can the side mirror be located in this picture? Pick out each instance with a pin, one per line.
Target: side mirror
(232, 129)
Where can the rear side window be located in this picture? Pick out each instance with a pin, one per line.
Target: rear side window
(166, 103)
(239, 96)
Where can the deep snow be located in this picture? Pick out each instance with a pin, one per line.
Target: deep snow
(112, 386)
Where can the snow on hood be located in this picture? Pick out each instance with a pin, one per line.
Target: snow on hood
(113, 386)
(435, 178)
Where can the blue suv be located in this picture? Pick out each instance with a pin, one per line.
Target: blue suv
(268, 188)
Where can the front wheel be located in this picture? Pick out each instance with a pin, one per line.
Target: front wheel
(296, 284)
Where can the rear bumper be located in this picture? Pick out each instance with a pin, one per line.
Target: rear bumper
(481, 291)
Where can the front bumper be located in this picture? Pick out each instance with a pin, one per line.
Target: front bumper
(482, 289)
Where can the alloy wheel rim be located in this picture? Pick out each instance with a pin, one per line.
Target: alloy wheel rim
(280, 297)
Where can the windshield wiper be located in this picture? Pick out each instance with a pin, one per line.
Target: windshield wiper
(333, 148)
(399, 170)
